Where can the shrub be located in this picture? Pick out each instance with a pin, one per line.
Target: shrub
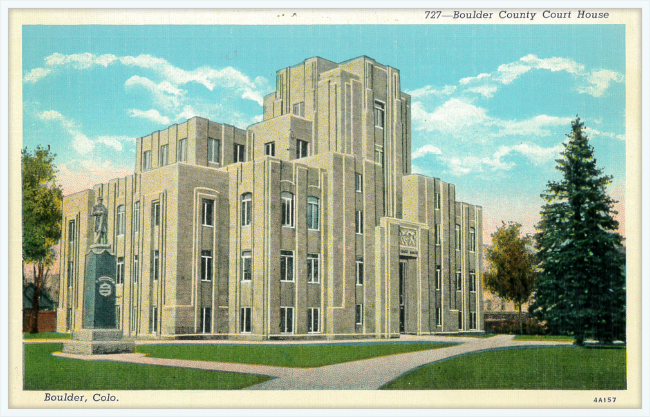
(529, 327)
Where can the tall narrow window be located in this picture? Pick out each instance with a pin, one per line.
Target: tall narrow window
(438, 234)
(118, 317)
(246, 266)
(206, 320)
(358, 182)
(459, 280)
(246, 209)
(472, 320)
(181, 152)
(208, 209)
(164, 155)
(313, 320)
(313, 213)
(70, 273)
(460, 320)
(286, 319)
(269, 149)
(146, 160)
(155, 213)
(238, 152)
(359, 271)
(438, 316)
(379, 156)
(472, 239)
(154, 320)
(299, 109)
(438, 278)
(302, 149)
(71, 231)
(358, 314)
(458, 242)
(214, 150)
(287, 209)
(155, 265)
(136, 217)
(134, 319)
(120, 223)
(437, 201)
(120, 271)
(472, 281)
(245, 320)
(206, 265)
(359, 222)
(379, 114)
(68, 319)
(313, 268)
(136, 269)
(286, 265)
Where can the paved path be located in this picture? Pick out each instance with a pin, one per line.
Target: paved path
(367, 374)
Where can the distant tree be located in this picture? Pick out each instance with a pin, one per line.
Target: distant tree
(581, 288)
(512, 266)
(42, 200)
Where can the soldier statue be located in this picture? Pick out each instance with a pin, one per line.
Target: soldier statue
(100, 213)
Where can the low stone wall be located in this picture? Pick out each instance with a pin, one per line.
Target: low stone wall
(46, 320)
(495, 318)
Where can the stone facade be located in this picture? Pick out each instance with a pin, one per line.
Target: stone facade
(307, 224)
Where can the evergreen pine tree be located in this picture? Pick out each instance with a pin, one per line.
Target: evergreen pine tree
(581, 286)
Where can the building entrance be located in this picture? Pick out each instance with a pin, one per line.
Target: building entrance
(402, 296)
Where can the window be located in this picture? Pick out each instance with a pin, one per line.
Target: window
(120, 270)
(206, 320)
(246, 209)
(472, 320)
(146, 160)
(379, 114)
(134, 319)
(438, 234)
(71, 231)
(299, 109)
(206, 265)
(458, 242)
(68, 319)
(302, 148)
(269, 149)
(460, 320)
(136, 217)
(359, 271)
(379, 156)
(155, 265)
(437, 201)
(358, 314)
(472, 239)
(136, 269)
(286, 265)
(472, 281)
(287, 209)
(155, 213)
(181, 152)
(164, 155)
(120, 223)
(313, 268)
(286, 319)
(118, 317)
(459, 280)
(238, 152)
(358, 182)
(214, 150)
(245, 320)
(154, 320)
(313, 320)
(438, 316)
(359, 222)
(208, 208)
(438, 278)
(246, 266)
(70, 273)
(313, 213)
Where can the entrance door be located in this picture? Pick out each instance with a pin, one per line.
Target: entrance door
(402, 295)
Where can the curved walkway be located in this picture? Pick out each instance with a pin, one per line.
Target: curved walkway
(367, 374)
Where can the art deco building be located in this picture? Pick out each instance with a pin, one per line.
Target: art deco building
(307, 224)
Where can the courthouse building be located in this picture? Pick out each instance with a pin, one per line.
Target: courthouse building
(307, 224)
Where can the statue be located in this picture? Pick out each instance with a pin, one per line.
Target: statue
(100, 213)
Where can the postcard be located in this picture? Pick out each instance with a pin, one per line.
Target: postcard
(363, 208)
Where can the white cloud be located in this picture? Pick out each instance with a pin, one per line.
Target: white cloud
(554, 64)
(428, 90)
(454, 116)
(79, 61)
(426, 150)
(82, 144)
(599, 82)
(152, 115)
(114, 142)
(594, 132)
(78, 175)
(536, 153)
(468, 80)
(187, 113)
(164, 94)
(535, 126)
(486, 90)
(507, 73)
(36, 74)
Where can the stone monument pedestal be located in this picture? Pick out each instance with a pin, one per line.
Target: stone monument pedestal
(98, 342)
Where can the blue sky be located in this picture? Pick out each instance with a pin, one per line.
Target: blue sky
(491, 104)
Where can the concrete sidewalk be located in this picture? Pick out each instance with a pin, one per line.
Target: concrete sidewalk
(367, 374)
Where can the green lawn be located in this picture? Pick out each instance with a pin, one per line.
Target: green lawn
(46, 372)
(47, 335)
(297, 356)
(552, 368)
(545, 338)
